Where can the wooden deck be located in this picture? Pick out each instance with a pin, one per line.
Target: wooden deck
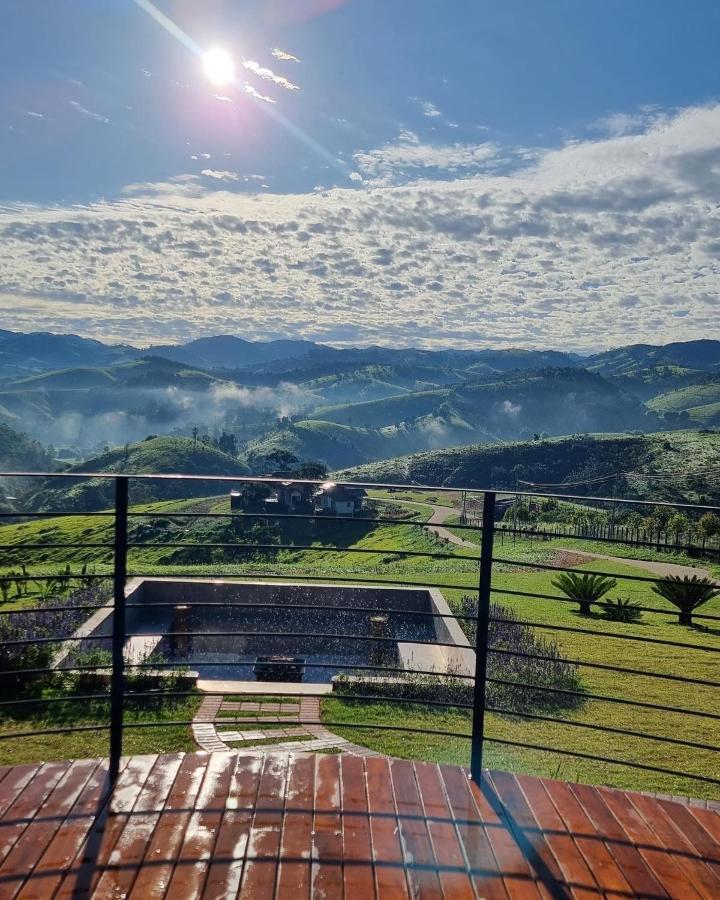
(302, 825)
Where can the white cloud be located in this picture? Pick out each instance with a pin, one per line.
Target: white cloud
(597, 243)
(89, 113)
(408, 156)
(430, 110)
(219, 175)
(282, 55)
(268, 74)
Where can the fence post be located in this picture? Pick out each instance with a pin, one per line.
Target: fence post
(117, 684)
(481, 639)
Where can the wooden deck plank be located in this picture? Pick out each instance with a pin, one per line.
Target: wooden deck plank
(229, 824)
(358, 874)
(225, 872)
(599, 859)
(417, 847)
(701, 839)
(449, 858)
(99, 842)
(156, 871)
(390, 880)
(14, 782)
(635, 869)
(263, 849)
(530, 838)
(193, 859)
(130, 847)
(478, 841)
(36, 838)
(706, 882)
(667, 871)
(19, 814)
(569, 858)
(327, 846)
(294, 873)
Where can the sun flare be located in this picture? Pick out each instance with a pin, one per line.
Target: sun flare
(219, 66)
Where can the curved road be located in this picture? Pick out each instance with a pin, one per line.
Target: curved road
(441, 513)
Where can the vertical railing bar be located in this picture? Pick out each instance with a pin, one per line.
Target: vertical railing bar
(482, 635)
(117, 685)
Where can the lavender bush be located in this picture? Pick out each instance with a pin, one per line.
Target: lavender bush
(46, 621)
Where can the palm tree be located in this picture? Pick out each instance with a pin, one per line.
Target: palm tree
(687, 593)
(584, 589)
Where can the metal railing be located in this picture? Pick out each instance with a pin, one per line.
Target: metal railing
(120, 551)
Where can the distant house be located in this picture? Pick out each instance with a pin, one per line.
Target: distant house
(280, 494)
(339, 499)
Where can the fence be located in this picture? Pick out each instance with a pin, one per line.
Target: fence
(499, 636)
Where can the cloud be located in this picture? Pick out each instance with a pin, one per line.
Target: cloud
(220, 175)
(35, 115)
(429, 109)
(249, 89)
(268, 74)
(89, 113)
(281, 54)
(407, 156)
(596, 243)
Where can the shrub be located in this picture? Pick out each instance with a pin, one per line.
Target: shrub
(622, 610)
(43, 622)
(515, 682)
(584, 589)
(687, 593)
(541, 665)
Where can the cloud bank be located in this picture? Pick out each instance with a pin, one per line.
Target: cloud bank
(597, 243)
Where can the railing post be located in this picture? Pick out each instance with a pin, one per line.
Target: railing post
(117, 684)
(482, 631)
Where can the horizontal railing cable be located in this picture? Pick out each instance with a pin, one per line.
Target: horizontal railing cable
(368, 485)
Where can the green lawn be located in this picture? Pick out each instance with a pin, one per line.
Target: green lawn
(95, 741)
(604, 643)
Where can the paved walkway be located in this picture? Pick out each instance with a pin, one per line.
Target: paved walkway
(662, 569)
(435, 523)
(271, 725)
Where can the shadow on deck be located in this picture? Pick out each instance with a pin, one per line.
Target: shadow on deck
(303, 825)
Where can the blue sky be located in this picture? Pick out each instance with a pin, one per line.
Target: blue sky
(352, 127)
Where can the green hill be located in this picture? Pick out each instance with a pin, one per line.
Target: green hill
(563, 459)
(342, 445)
(700, 401)
(703, 354)
(158, 455)
(555, 401)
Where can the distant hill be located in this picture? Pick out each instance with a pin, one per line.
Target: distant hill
(228, 352)
(153, 456)
(556, 401)
(41, 350)
(704, 354)
(701, 401)
(342, 445)
(557, 460)
(18, 452)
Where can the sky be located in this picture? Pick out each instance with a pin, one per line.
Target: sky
(467, 173)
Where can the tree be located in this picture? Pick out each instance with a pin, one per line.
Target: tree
(709, 524)
(584, 589)
(312, 471)
(678, 524)
(228, 444)
(687, 593)
(195, 433)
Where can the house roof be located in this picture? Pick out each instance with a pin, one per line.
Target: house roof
(341, 491)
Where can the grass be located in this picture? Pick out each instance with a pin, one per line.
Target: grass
(95, 741)
(605, 643)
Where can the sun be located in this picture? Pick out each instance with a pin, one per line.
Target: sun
(219, 66)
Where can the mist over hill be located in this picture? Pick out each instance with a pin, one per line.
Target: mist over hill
(343, 406)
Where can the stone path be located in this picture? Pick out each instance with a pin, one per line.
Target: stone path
(213, 731)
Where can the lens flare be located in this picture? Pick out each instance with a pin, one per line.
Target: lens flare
(218, 66)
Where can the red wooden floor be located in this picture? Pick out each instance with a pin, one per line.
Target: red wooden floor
(226, 825)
